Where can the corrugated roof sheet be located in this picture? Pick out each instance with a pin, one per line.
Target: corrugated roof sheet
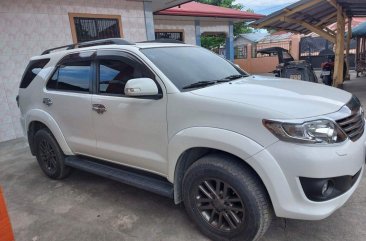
(253, 37)
(206, 10)
(277, 37)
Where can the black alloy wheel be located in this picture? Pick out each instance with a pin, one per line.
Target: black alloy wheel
(49, 155)
(220, 205)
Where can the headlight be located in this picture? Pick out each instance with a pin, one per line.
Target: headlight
(317, 131)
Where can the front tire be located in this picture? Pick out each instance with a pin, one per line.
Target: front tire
(49, 155)
(227, 201)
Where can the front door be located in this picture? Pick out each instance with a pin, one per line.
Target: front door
(130, 131)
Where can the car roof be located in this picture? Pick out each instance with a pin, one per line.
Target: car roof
(139, 45)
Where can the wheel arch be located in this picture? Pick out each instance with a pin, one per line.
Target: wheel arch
(37, 119)
(191, 144)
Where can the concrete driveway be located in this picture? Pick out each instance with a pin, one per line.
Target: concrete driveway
(88, 207)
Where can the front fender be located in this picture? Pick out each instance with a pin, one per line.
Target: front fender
(45, 118)
(209, 137)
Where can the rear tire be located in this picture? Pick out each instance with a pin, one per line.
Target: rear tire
(49, 155)
(227, 201)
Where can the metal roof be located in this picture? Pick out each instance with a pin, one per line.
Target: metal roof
(277, 37)
(359, 30)
(315, 12)
(206, 10)
(252, 37)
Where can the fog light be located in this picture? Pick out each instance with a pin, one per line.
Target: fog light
(327, 188)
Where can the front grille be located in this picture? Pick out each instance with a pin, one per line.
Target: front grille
(354, 124)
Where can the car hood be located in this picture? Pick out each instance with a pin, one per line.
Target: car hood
(291, 98)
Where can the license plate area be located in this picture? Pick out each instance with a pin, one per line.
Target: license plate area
(325, 72)
(295, 76)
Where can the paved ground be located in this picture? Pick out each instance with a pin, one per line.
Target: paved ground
(88, 207)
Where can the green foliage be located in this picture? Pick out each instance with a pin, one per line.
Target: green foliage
(212, 41)
(215, 41)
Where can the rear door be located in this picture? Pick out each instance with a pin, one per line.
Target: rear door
(68, 100)
(131, 131)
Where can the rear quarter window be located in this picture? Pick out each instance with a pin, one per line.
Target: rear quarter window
(32, 70)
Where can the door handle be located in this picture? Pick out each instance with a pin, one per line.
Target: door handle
(47, 101)
(99, 108)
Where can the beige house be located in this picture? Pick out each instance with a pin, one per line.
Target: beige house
(29, 27)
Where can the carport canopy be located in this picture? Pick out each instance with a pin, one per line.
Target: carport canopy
(308, 16)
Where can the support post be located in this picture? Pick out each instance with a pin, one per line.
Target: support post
(197, 25)
(149, 20)
(339, 53)
(230, 42)
(349, 36)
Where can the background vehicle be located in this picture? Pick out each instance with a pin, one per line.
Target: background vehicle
(180, 121)
(288, 67)
(327, 71)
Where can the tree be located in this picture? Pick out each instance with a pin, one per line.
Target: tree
(215, 41)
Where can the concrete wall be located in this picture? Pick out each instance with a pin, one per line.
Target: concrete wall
(29, 27)
(257, 65)
(295, 46)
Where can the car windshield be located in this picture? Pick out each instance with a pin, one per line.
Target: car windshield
(192, 67)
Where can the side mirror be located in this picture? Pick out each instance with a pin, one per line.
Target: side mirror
(142, 87)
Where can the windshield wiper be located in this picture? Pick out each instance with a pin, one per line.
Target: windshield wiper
(234, 76)
(212, 82)
(199, 84)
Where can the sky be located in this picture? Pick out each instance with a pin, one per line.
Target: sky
(265, 6)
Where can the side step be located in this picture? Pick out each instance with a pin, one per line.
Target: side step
(124, 175)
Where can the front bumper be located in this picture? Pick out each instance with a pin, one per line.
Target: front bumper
(282, 164)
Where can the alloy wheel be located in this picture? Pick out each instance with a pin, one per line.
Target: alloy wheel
(48, 156)
(219, 205)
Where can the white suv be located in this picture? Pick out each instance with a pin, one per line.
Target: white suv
(180, 121)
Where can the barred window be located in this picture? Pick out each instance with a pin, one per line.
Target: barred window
(241, 52)
(88, 27)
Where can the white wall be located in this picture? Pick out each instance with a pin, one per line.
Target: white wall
(29, 27)
(215, 26)
(186, 25)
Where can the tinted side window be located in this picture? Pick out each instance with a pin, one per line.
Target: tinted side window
(73, 76)
(32, 70)
(114, 74)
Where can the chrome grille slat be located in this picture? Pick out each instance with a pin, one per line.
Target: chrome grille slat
(356, 132)
(354, 124)
(349, 120)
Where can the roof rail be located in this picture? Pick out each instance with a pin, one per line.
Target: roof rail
(107, 41)
(163, 40)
